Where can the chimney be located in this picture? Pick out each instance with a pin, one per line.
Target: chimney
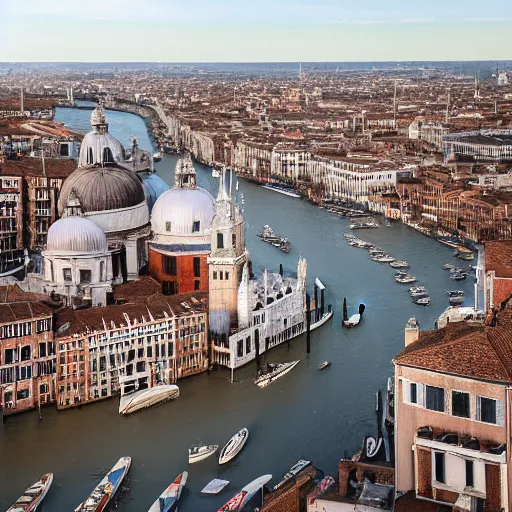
(412, 331)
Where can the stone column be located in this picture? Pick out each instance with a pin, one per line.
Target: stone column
(132, 259)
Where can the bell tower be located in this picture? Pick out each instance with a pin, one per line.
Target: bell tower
(226, 262)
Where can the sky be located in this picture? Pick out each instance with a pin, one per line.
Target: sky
(255, 30)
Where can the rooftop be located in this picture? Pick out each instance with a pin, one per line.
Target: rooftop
(498, 258)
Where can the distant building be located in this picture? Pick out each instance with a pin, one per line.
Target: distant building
(488, 145)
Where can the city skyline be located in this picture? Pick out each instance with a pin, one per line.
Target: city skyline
(120, 31)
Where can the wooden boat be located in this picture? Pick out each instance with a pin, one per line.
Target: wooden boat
(107, 488)
(324, 365)
(233, 446)
(215, 486)
(138, 400)
(168, 500)
(275, 372)
(33, 496)
(199, 453)
(240, 500)
(294, 470)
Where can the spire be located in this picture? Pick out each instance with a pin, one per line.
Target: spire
(222, 195)
(98, 120)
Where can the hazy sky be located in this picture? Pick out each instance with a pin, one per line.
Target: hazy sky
(255, 30)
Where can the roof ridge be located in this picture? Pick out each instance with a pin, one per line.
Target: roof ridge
(499, 353)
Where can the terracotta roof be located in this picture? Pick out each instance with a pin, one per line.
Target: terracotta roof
(16, 311)
(408, 503)
(55, 167)
(498, 257)
(458, 349)
(141, 295)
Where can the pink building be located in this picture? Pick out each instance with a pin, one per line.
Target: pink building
(452, 415)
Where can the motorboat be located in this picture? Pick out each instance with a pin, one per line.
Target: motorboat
(324, 365)
(199, 453)
(133, 402)
(234, 446)
(448, 266)
(399, 264)
(215, 173)
(274, 372)
(354, 319)
(168, 500)
(242, 498)
(456, 301)
(33, 496)
(419, 295)
(284, 245)
(414, 289)
(107, 488)
(459, 276)
(215, 486)
(423, 301)
(281, 189)
(455, 293)
(157, 156)
(405, 279)
(386, 258)
(294, 470)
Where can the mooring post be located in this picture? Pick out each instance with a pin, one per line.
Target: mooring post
(281, 269)
(322, 298)
(316, 302)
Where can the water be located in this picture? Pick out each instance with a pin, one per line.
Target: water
(307, 414)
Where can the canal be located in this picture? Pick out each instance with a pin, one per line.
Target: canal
(308, 414)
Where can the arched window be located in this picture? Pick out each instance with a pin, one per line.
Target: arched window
(90, 157)
(108, 157)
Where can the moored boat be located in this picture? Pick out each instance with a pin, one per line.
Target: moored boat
(324, 365)
(414, 289)
(199, 453)
(157, 156)
(399, 264)
(215, 173)
(107, 488)
(455, 293)
(423, 301)
(282, 189)
(275, 372)
(294, 470)
(448, 266)
(141, 399)
(242, 498)
(383, 258)
(405, 279)
(168, 500)
(215, 486)
(456, 301)
(33, 496)
(233, 446)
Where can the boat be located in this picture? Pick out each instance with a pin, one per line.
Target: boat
(372, 446)
(414, 289)
(405, 279)
(107, 488)
(143, 398)
(242, 498)
(168, 500)
(466, 255)
(281, 189)
(458, 276)
(448, 266)
(284, 245)
(215, 486)
(419, 294)
(294, 470)
(274, 372)
(354, 319)
(363, 225)
(215, 173)
(386, 258)
(324, 365)
(234, 446)
(157, 156)
(455, 293)
(399, 264)
(33, 496)
(456, 301)
(199, 453)
(423, 301)
(324, 484)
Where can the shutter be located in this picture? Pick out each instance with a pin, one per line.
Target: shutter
(478, 409)
(421, 394)
(500, 413)
(406, 390)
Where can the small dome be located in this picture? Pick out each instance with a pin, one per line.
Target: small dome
(100, 148)
(100, 189)
(76, 234)
(177, 212)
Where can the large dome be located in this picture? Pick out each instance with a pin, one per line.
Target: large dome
(100, 189)
(100, 148)
(177, 212)
(76, 234)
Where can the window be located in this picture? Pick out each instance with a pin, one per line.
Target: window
(439, 467)
(197, 284)
(226, 276)
(170, 265)
(470, 481)
(196, 226)
(64, 149)
(9, 356)
(240, 348)
(25, 372)
(85, 276)
(67, 274)
(168, 225)
(102, 271)
(233, 240)
(489, 410)
(460, 404)
(413, 393)
(25, 353)
(43, 389)
(42, 349)
(434, 399)
(247, 345)
(220, 241)
(215, 274)
(169, 288)
(197, 267)
(22, 394)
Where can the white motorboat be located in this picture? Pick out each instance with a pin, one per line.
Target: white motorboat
(168, 500)
(399, 264)
(384, 258)
(275, 372)
(294, 470)
(352, 321)
(405, 279)
(423, 301)
(420, 294)
(215, 486)
(33, 496)
(215, 173)
(234, 446)
(414, 289)
(240, 500)
(141, 399)
(199, 453)
(157, 156)
(455, 293)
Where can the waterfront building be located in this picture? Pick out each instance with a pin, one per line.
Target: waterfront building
(452, 414)
(27, 351)
(144, 340)
(181, 223)
(489, 145)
